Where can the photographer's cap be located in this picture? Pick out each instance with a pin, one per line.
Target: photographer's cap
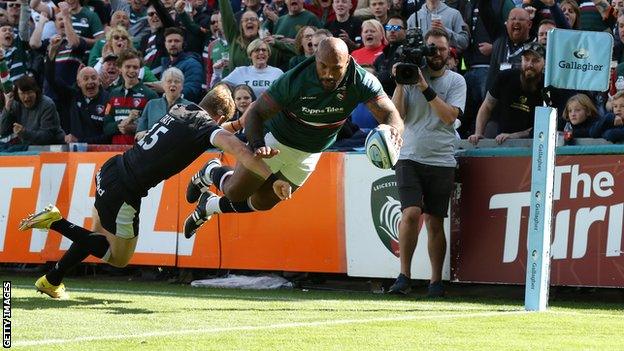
(534, 47)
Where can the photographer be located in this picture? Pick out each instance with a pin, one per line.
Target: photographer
(426, 168)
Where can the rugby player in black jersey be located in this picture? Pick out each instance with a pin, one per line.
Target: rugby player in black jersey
(180, 136)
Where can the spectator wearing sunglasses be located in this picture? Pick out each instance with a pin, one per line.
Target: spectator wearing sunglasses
(395, 33)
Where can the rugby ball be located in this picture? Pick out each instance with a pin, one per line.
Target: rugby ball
(380, 149)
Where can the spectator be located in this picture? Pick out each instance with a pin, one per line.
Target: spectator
(288, 25)
(85, 22)
(66, 48)
(572, 13)
(251, 5)
(239, 36)
(15, 49)
(436, 14)
(194, 25)
(109, 72)
(153, 45)
(216, 54)
(517, 92)
(86, 109)
(30, 116)
(259, 75)
(243, 97)
(380, 10)
(303, 45)
(582, 114)
(318, 36)
(611, 125)
(118, 40)
(135, 13)
(425, 171)
(188, 62)
(172, 81)
(345, 26)
(322, 9)
(127, 101)
(118, 19)
(542, 32)
(507, 49)
(374, 42)
(45, 8)
(395, 33)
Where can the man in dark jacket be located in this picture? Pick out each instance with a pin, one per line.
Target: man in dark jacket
(395, 32)
(188, 62)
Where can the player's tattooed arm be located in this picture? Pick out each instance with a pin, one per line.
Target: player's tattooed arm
(385, 112)
(261, 110)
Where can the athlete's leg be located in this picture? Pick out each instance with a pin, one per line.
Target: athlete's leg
(84, 243)
(121, 249)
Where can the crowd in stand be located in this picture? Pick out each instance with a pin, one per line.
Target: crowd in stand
(104, 71)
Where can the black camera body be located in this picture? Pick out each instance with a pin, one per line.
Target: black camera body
(412, 56)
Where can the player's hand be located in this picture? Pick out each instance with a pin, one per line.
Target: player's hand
(139, 135)
(265, 152)
(502, 137)
(474, 139)
(395, 136)
(282, 189)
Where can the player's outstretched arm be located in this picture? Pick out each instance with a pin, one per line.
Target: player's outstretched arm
(229, 143)
(385, 112)
(262, 109)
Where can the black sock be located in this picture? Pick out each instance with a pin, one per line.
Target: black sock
(92, 243)
(228, 206)
(69, 229)
(217, 174)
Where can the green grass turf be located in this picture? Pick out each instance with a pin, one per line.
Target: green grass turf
(119, 315)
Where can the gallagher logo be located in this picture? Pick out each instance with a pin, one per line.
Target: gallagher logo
(386, 212)
(581, 54)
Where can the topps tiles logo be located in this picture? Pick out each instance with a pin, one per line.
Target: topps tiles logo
(386, 212)
(581, 63)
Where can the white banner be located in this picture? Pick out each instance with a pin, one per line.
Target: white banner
(372, 215)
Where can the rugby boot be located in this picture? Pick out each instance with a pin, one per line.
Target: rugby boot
(201, 181)
(199, 216)
(41, 220)
(54, 291)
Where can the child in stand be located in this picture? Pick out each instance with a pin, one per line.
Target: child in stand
(582, 114)
(611, 125)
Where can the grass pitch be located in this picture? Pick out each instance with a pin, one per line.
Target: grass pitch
(120, 315)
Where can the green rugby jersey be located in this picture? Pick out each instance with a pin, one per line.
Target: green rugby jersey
(310, 117)
(87, 24)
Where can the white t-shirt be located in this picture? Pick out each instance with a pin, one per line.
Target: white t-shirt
(258, 80)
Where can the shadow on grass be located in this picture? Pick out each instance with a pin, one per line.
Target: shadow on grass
(107, 305)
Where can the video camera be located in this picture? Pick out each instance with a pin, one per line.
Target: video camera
(411, 56)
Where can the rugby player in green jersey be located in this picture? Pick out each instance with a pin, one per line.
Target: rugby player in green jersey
(296, 119)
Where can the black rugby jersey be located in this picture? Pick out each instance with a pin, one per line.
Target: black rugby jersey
(173, 143)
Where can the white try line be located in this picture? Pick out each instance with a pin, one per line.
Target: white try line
(200, 293)
(263, 327)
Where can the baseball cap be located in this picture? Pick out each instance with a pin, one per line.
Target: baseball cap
(535, 48)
